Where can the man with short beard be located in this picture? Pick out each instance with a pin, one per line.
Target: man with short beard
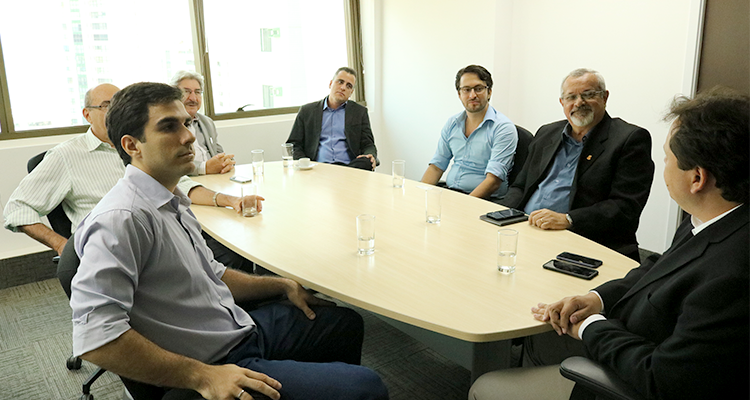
(590, 173)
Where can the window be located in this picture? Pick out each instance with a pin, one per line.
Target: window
(272, 54)
(263, 55)
(135, 45)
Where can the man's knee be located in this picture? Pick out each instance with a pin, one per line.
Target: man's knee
(363, 383)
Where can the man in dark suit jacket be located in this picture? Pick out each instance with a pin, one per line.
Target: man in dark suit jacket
(335, 130)
(678, 328)
(591, 173)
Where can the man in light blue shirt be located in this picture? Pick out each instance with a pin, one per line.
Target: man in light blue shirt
(480, 140)
(150, 302)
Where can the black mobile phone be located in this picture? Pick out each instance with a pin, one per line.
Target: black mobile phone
(571, 269)
(241, 179)
(504, 214)
(580, 260)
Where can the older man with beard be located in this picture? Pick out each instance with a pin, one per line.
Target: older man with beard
(590, 173)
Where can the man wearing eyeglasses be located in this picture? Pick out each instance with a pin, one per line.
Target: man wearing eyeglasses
(335, 130)
(209, 155)
(480, 140)
(590, 173)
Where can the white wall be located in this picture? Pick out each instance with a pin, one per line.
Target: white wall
(644, 49)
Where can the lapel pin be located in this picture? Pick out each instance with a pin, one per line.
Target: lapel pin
(589, 157)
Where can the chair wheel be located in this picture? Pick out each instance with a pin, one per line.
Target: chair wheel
(73, 363)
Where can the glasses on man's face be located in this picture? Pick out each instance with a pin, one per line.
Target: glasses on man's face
(103, 107)
(188, 92)
(586, 96)
(479, 89)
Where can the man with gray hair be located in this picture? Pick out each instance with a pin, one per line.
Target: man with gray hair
(209, 155)
(590, 173)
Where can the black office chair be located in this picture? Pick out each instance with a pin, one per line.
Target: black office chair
(522, 150)
(597, 379)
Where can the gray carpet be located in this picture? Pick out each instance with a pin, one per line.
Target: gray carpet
(35, 342)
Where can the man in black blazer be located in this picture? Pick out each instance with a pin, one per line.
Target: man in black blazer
(335, 130)
(591, 173)
(678, 328)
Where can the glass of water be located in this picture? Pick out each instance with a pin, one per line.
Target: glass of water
(398, 173)
(249, 206)
(287, 151)
(257, 162)
(432, 205)
(507, 244)
(365, 234)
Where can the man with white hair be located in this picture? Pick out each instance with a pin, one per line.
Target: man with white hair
(209, 155)
(589, 173)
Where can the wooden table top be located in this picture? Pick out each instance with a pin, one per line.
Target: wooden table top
(442, 277)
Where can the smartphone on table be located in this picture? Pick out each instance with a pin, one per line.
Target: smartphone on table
(567, 268)
(579, 259)
(504, 217)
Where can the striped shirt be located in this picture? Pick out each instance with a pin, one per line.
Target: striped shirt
(76, 173)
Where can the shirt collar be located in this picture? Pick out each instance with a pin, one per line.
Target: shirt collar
(490, 115)
(699, 225)
(153, 191)
(93, 142)
(566, 135)
(325, 105)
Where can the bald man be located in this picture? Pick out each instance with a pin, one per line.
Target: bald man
(79, 172)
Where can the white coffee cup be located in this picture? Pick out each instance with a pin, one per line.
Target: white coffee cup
(304, 162)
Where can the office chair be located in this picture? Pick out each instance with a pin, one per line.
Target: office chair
(522, 150)
(598, 379)
(62, 226)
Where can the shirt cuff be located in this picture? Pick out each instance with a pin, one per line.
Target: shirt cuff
(588, 321)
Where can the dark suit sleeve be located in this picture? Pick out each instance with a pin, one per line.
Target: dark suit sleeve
(367, 142)
(297, 137)
(630, 186)
(514, 196)
(708, 345)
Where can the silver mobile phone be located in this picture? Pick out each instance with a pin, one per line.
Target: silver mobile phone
(241, 179)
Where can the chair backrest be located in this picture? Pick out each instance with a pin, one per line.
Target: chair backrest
(68, 265)
(522, 150)
(57, 217)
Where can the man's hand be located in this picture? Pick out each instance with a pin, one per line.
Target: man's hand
(235, 202)
(220, 164)
(372, 159)
(225, 382)
(548, 220)
(303, 299)
(566, 315)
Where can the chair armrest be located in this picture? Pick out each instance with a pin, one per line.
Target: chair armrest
(598, 379)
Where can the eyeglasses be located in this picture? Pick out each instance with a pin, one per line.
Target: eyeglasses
(587, 95)
(103, 107)
(188, 92)
(477, 89)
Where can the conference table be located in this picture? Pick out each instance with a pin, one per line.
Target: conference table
(438, 282)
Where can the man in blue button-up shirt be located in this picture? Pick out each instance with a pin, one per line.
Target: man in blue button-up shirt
(480, 140)
(150, 302)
